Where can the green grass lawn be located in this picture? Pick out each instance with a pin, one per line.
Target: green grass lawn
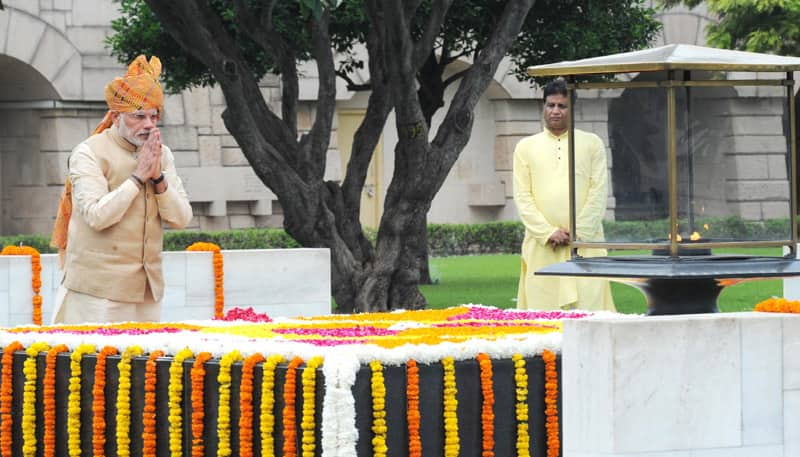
(493, 280)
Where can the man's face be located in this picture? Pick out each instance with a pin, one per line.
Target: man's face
(136, 126)
(555, 113)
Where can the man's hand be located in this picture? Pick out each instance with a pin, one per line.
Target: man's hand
(149, 161)
(559, 238)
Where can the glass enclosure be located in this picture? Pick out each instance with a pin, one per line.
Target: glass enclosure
(702, 156)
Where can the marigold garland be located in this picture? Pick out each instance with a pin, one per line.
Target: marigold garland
(521, 382)
(224, 408)
(379, 429)
(289, 413)
(49, 400)
(74, 399)
(308, 424)
(99, 402)
(452, 446)
(246, 405)
(176, 402)
(6, 396)
(198, 376)
(550, 403)
(36, 276)
(412, 413)
(124, 401)
(149, 409)
(267, 414)
(219, 291)
(30, 368)
(778, 305)
(487, 406)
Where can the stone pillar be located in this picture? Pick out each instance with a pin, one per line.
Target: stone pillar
(682, 386)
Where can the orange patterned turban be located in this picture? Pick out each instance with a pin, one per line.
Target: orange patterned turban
(138, 90)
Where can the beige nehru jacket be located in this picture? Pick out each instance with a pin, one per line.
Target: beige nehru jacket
(114, 239)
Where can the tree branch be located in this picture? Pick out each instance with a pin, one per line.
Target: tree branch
(431, 31)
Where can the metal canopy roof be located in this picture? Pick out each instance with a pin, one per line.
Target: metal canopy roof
(670, 57)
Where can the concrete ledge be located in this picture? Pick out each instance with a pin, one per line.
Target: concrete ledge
(675, 386)
(279, 282)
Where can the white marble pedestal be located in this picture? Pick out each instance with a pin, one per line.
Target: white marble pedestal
(722, 385)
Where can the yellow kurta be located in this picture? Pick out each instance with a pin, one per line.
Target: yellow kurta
(541, 192)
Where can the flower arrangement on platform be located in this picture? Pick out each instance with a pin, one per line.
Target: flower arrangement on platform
(219, 290)
(778, 305)
(74, 399)
(345, 343)
(29, 368)
(36, 276)
(6, 392)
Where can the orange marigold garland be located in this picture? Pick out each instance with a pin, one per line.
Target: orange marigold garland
(224, 409)
(74, 400)
(149, 409)
(309, 405)
(30, 369)
(176, 402)
(36, 276)
(289, 413)
(550, 403)
(198, 376)
(99, 402)
(124, 401)
(246, 405)
(413, 414)
(521, 382)
(6, 396)
(219, 291)
(487, 407)
(452, 445)
(49, 400)
(267, 415)
(778, 305)
(378, 388)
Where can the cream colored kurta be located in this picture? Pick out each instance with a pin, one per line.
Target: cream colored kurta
(115, 233)
(541, 192)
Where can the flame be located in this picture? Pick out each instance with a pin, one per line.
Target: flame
(705, 227)
(695, 236)
(677, 237)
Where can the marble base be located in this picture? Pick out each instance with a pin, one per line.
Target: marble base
(279, 282)
(682, 386)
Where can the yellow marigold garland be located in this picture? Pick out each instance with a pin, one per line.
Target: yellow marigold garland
(307, 424)
(219, 290)
(778, 305)
(198, 376)
(29, 398)
(521, 382)
(452, 445)
(550, 403)
(36, 276)
(379, 429)
(176, 402)
(267, 413)
(224, 408)
(124, 401)
(246, 405)
(49, 399)
(99, 402)
(149, 410)
(74, 399)
(487, 407)
(412, 412)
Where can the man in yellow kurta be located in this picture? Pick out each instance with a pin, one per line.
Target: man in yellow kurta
(122, 186)
(541, 192)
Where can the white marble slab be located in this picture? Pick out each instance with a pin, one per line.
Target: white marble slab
(279, 282)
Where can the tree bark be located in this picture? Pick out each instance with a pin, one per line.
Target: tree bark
(326, 214)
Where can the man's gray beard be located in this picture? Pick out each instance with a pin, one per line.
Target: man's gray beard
(128, 134)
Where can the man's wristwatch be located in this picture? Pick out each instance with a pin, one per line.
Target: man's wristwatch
(157, 180)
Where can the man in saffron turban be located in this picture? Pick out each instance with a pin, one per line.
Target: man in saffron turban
(122, 186)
